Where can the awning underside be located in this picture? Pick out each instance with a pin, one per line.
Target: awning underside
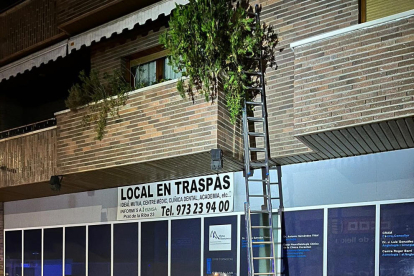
(128, 22)
(34, 60)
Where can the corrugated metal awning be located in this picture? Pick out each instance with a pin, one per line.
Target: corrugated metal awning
(34, 60)
(128, 21)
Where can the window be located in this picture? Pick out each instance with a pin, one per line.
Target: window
(13, 250)
(375, 9)
(148, 69)
(75, 251)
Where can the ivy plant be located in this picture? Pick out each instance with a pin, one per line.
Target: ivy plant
(214, 43)
(101, 95)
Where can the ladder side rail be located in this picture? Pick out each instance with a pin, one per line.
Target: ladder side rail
(249, 239)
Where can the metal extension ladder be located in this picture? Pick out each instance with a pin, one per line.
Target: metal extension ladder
(259, 221)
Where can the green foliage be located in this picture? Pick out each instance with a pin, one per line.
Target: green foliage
(102, 96)
(210, 42)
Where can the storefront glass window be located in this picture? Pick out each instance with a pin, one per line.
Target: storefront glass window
(13, 250)
(220, 245)
(126, 249)
(351, 241)
(99, 250)
(185, 247)
(75, 251)
(154, 248)
(32, 252)
(52, 258)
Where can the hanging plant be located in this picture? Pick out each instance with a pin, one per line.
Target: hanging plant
(213, 43)
(101, 96)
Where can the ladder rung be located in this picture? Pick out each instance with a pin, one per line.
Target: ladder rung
(254, 103)
(262, 242)
(257, 180)
(258, 195)
(273, 198)
(257, 149)
(255, 119)
(254, 88)
(260, 212)
(256, 134)
(274, 183)
(258, 165)
(261, 227)
(252, 73)
(262, 258)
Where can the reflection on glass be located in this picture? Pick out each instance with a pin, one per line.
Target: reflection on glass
(351, 241)
(99, 250)
(32, 252)
(52, 256)
(145, 74)
(126, 249)
(220, 252)
(169, 73)
(75, 251)
(13, 251)
(185, 247)
(302, 243)
(396, 240)
(154, 248)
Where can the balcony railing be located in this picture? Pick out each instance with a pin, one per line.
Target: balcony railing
(27, 128)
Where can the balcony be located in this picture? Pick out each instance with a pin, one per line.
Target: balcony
(158, 136)
(27, 158)
(354, 88)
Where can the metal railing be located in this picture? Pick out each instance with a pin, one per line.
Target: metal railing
(27, 128)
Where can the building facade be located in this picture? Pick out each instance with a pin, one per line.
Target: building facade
(340, 111)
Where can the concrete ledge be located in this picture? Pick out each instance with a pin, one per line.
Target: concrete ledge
(369, 24)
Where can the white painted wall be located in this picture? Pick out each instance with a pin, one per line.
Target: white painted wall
(374, 177)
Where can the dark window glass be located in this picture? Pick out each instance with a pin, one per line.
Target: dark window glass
(302, 242)
(32, 252)
(396, 242)
(99, 250)
(52, 256)
(154, 248)
(126, 249)
(75, 251)
(13, 250)
(351, 241)
(220, 245)
(185, 247)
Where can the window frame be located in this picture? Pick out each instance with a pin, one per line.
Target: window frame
(157, 53)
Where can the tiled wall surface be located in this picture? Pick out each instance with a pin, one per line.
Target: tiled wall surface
(26, 25)
(296, 20)
(358, 77)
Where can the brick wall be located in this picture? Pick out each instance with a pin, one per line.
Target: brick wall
(358, 77)
(295, 20)
(110, 55)
(156, 123)
(28, 158)
(26, 25)
(69, 9)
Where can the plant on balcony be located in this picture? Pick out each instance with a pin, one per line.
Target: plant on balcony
(211, 42)
(102, 96)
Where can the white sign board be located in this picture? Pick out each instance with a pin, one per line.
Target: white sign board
(193, 196)
(219, 237)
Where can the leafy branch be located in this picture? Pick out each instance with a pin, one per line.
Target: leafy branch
(102, 96)
(213, 43)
